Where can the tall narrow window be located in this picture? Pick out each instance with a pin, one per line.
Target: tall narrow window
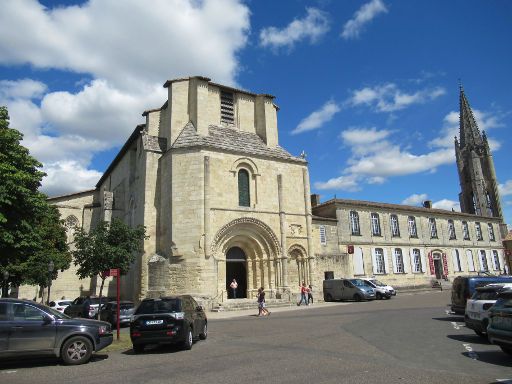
(227, 107)
(465, 230)
(323, 235)
(433, 228)
(399, 261)
(496, 260)
(416, 260)
(380, 266)
(395, 228)
(354, 223)
(375, 224)
(456, 260)
(412, 226)
(244, 197)
(489, 204)
(483, 261)
(478, 230)
(491, 232)
(451, 230)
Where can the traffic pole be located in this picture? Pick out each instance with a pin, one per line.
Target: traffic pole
(118, 305)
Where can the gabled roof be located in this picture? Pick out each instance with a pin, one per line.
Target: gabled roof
(233, 140)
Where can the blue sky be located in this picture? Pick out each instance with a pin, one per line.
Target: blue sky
(368, 89)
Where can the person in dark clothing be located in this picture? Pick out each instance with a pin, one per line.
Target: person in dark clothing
(86, 306)
(310, 294)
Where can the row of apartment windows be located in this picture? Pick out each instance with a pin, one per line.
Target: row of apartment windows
(380, 264)
(413, 232)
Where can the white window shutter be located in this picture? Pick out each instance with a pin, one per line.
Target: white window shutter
(480, 260)
(386, 261)
(423, 261)
(454, 260)
(374, 262)
(493, 262)
(358, 261)
(471, 262)
(411, 258)
(461, 263)
(502, 263)
(393, 259)
(407, 261)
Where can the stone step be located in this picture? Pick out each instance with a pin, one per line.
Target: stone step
(241, 304)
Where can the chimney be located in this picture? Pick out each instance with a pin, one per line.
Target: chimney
(315, 200)
(427, 204)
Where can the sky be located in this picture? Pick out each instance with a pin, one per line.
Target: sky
(368, 89)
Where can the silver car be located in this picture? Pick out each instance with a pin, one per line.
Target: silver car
(28, 328)
(347, 289)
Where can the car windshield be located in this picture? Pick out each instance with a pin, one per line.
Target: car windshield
(358, 283)
(158, 306)
(78, 301)
(57, 314)
(377, 282)
(504, 302)
(485, 295)
(64, 302)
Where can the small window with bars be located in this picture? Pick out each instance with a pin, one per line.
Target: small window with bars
(227, 107)
(478, 230)
(412, 226)
(465, 230)
(433, 228)
(491, 232)
(323, 235)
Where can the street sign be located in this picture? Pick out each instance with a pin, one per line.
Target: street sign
(114, 272)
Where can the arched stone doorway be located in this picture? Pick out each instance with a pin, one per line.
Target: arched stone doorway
(236, 268)
(260, 247)
(298, 270)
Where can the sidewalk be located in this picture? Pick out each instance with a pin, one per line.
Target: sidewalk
(288, 308)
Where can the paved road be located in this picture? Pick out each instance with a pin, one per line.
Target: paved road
(408, 339)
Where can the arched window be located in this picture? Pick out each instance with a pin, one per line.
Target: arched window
(354, 223)
(395, 229)
(412, 226)
(244, 197)
(375, 224)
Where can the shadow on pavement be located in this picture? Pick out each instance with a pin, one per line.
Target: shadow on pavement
(450, 318)
(155, 350)
(496, 357)
(40, 361)
(473, 339)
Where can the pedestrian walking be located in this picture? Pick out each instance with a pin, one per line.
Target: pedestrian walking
(303, 294)
(86, 306)
(233, 286)
(262, 310)
(310, 294)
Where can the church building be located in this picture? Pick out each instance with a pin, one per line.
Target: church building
(222, 200)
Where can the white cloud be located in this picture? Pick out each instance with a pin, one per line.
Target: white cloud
(389, 98)
(311, 27)
(128, 49)
(505, 189)
(353, 28)
(446, 204)
(318, 118)
(363, 136)
(415, 199)
(344, 183)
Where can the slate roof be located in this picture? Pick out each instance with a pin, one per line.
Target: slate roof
(229, 139)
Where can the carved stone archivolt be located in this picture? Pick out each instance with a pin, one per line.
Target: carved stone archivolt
(71, 222)
(297, 251)
(245, 225)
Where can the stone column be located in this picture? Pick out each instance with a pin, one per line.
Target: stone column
(206, 194)
(309, 223)
(282, 225)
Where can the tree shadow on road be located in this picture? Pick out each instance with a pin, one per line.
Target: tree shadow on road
(473, 339)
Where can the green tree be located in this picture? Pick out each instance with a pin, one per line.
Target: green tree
(108, 246)
(21, 204)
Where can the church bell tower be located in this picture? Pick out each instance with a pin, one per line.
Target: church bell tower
(479, 187)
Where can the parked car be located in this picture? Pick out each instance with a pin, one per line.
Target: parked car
(347, 289)
(29, 328)
(499, 330)
(382, 291)
(476, 316)
(109, 312)
(463, 288)
(60, 305)
(168, 320)
(76, 308)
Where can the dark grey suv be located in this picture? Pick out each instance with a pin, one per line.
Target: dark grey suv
(28, 328)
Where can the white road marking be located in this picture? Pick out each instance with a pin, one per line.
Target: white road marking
(471, 353)
(455, 325)
(8, 372)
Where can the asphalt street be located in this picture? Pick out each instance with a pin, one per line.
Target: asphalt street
(408, 339)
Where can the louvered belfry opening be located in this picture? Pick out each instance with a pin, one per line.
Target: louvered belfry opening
(227, 107)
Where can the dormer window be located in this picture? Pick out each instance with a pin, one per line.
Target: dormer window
(227, 107)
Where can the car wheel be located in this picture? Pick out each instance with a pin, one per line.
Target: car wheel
(507, 350)
(328, 297)
(187, 343)
(357, 297)
(138, 348)
(76, 350)
(379, 296)
(203, 335)
(480, 333)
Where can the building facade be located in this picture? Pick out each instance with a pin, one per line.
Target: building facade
(221, 200)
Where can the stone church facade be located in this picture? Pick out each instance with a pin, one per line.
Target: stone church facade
(220, 199)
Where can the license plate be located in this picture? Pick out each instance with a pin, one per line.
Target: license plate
(474, 315)
(154, 322)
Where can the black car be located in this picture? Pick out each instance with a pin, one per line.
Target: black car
(109, 312)
(28, 328)
(76, 308)
(168, 320)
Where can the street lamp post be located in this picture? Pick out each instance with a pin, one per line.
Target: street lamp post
(51, 266)
(5, 285)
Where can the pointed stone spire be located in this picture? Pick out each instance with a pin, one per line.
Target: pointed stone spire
(469, 133)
